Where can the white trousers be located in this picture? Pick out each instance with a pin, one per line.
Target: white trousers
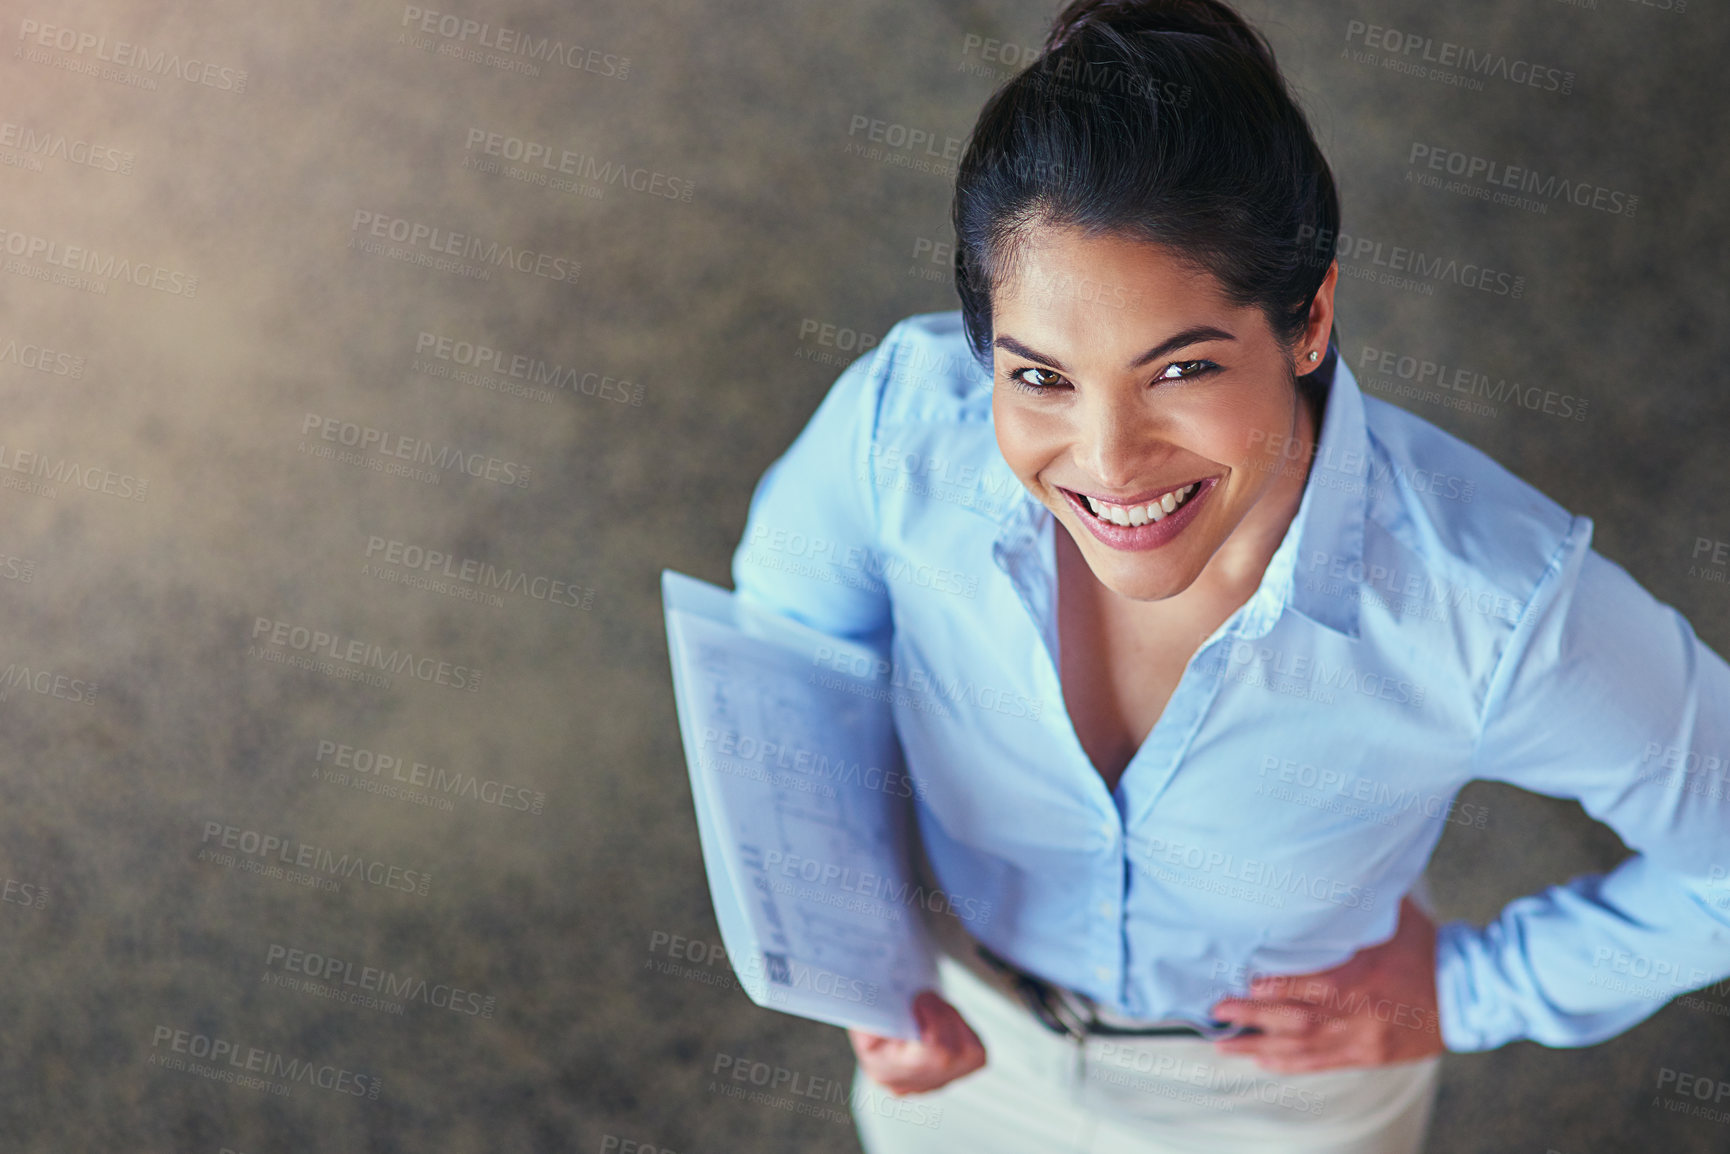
(1041, 1093)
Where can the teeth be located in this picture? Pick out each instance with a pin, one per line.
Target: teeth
(1129, 515)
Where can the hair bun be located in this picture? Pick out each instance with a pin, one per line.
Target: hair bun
(1209, 18)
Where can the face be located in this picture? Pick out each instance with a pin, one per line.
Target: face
(1126, 382)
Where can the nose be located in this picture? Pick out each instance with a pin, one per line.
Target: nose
(1119, 442)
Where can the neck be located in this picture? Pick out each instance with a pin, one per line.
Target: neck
(1241, 561)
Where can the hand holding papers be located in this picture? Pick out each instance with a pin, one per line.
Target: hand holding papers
(802, 808)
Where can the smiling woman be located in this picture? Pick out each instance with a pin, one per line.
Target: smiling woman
(1153, 459)
(1218, 576)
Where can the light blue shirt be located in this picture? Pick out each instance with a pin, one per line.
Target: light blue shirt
(1429, 618)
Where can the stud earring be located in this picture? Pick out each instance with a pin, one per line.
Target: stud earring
(1314, 355)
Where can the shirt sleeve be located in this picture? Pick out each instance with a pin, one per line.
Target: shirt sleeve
(1603, 694)
(808, 551)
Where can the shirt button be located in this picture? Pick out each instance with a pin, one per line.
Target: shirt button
(1106, 909)
(1103, 973)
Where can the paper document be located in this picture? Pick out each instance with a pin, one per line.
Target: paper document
(802, 808)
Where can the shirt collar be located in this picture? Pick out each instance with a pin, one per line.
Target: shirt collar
(1326, 535)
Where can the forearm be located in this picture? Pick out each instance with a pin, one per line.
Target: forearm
(1580, 963)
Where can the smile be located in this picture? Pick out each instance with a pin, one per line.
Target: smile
(1146, 523)
(1155, 510)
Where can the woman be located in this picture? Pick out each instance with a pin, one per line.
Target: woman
(1194, 644)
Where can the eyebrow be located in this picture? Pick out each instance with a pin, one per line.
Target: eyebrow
(1190, 336)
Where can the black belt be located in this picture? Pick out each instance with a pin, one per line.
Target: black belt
(1076, 1016)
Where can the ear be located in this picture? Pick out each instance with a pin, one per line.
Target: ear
(1320, 324)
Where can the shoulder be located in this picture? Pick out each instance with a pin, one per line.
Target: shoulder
(925, 371)
(932, 450)
(1466, 514)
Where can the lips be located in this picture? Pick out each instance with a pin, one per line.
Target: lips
(1140, 512)
(1145, 522)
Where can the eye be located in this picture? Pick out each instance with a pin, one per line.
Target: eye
(1186, 370)
(1035, 379)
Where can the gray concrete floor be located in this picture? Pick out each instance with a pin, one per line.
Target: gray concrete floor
(125, 935)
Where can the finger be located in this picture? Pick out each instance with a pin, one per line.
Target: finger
(1286, 1055)
(928, 1010)
(1313, 987)
(1290, 1019)
(965, 1044)
(945, 1030)
(900, 1069)
(1313, 1063)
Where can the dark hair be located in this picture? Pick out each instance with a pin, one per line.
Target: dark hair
(1158, 120)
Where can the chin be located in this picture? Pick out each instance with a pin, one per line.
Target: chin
(1140, 580)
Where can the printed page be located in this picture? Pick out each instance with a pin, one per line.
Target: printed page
(803, 807)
